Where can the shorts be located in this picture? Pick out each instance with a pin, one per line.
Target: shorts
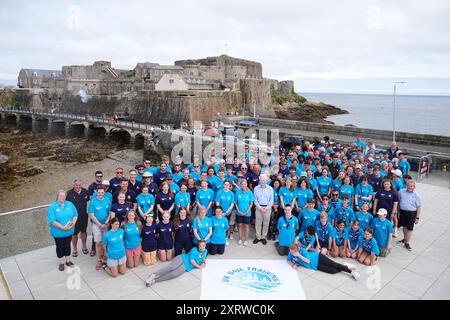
(131, 253)
(324, 244)
(116, 262)
(149, 258)
(81, 224)
(240, 219)
(407, 219)
(165, 246)
(97, 233)
(384, 252)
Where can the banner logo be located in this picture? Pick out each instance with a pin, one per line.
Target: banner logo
(251, 278)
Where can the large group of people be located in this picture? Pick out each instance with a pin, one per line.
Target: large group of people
(314, 201)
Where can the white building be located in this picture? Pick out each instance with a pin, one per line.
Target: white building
(180, 82)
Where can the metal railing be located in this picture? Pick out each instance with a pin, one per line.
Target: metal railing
(145, 127)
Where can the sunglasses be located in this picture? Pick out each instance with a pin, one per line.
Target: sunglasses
(334, 195)
(119, 172)
(99, 176)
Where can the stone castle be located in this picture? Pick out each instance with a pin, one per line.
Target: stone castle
(189, 90)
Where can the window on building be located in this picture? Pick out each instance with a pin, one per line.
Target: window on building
(171, 81)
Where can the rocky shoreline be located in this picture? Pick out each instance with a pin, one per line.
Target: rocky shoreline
(29, 154)
(307, 111)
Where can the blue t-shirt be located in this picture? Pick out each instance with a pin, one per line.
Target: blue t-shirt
(149, 243)
(195, 255)
(324, 232)
(381, 231)
(220, 227)
(345, 214)
(202, 226)
(174, 188)
(306, 240)
(100, 209)
(165, 239)
(365, 220)
(302, 196)
(288, 195)
(145, 202)
(324, 184)
(121, 210)
(312, 256)
(369, 246)
(398, 184)
(225, 200)
(132, 236)
(308, 218)
(339, 236)
(183, 231)
(365, 191)
(243, 200)
(276, 198)
(313, 183)
(182, 199)
(405, 166)
(337, 183)
(353, 236)
(205, 197)
(56, 213)
(114, 244)
(177, 176)
(287, 229)
(349, 191)
(231, 178)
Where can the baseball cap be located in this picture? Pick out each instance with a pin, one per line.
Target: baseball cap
(358, 166)
(310, 201)
(382, 212)
(147, 174)
(397, 172)
(139, 166)
(105, 182)
(303, 174)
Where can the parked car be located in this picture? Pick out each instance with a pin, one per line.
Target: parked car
(289, 141)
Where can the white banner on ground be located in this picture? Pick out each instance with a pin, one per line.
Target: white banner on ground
(250, 280)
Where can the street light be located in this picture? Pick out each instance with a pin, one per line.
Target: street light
(393, 118)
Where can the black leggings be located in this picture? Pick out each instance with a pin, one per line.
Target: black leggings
(63, 246)
(329, 266)
(180, 245)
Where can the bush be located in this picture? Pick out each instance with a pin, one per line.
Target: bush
(280, 98)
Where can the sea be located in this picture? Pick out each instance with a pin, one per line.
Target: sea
(413, 113)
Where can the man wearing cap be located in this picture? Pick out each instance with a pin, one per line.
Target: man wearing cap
(174, 188)
(397, 180)
(410, 209)
(152, 187)
(140, 171)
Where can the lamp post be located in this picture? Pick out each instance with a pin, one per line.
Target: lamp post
(254, 109)
(393, 117)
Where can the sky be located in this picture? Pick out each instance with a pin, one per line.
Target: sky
(353, 46)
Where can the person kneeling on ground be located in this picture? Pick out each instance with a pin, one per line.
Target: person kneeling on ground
(317, 261)
(185, 262)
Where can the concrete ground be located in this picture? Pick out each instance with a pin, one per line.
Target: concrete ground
(423, 273)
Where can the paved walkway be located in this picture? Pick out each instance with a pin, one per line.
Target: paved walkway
(423, 273)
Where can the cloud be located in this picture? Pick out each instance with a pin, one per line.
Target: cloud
(293, 39)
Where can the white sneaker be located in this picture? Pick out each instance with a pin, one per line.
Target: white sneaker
(355, 275)
(228, 243)
(231, 236)
(245, 243)
(150, 280)
(350, 266)
(240, 242)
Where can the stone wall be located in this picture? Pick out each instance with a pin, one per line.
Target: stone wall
(258, 91)
(424, 139)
